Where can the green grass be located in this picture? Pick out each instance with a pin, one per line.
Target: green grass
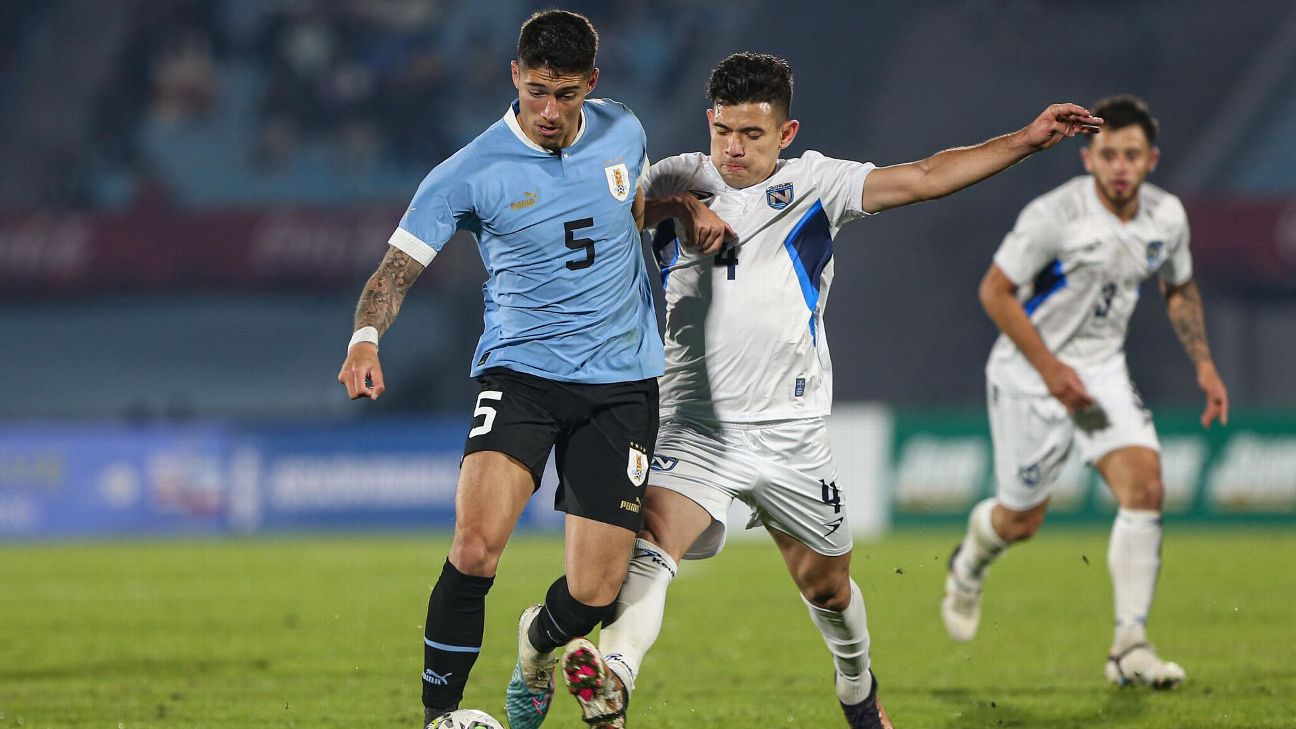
(316, 632)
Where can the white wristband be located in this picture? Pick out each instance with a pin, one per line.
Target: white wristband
(364, 334)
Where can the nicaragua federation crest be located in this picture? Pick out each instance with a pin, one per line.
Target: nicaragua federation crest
(637, 466)
(779, 196)
(1154, 251)
(618, 178)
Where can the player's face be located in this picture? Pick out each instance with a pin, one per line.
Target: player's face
(549, 103)
(1120, 161)
(746, 140)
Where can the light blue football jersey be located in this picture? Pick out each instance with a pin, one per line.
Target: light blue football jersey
(567, 295)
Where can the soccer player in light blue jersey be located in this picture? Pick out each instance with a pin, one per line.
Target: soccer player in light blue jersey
(567, 361)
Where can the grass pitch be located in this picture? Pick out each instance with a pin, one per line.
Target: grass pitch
(327, 632)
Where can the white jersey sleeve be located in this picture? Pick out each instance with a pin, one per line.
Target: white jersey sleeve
(1032, 244)
(1178, 268)
(671, 175)
(841, 186)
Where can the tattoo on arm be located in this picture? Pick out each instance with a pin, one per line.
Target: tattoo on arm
(385, 291)
(1184, 306)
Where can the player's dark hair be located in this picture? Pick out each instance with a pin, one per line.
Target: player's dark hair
(559, 40)
(745, 78)
(1124, 110)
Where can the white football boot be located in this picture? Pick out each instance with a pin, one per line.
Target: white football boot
(1139, 665)
(961, 607)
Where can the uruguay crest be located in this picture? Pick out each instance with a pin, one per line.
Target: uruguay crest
(618, 178)
(779, 196)
(637, 467)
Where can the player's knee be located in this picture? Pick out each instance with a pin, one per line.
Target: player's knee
(473, 554)
(598, 592)
(832, 594)
(1146, 493)
(656, 531)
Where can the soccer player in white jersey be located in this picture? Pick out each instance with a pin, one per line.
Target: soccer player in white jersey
(1061, 289)
(748, 377)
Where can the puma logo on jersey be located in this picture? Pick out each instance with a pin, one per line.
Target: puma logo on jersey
(528, 199)
(632, 506)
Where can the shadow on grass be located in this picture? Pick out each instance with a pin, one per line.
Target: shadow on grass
(1122, 708)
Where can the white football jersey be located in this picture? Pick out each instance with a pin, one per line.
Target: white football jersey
(745, 338)
(1078, 269)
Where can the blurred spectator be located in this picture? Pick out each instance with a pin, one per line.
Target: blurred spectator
(218, 98)
(183, 77)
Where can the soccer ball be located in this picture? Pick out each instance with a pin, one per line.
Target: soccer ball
(465, 719)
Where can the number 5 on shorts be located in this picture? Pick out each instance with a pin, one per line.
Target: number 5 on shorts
(486, 412)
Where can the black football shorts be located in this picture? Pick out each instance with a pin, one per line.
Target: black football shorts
(602, 437)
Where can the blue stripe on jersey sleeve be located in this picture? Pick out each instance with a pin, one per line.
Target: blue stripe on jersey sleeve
(665, 247)
(810, 246)
(1048, 282)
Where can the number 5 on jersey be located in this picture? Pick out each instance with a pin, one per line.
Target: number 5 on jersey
(485, 412)
(576, 244)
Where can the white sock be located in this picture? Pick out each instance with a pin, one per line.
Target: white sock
(639, 611)
(1134, 559)
(981, 545)
(847, 637)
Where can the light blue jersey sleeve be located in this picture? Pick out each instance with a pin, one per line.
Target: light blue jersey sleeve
(443, 204)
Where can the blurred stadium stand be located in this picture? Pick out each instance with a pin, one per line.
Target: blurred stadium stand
(192, 193)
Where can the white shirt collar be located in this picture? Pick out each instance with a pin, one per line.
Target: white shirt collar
(510, 118)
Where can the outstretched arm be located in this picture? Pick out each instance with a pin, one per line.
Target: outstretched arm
(1184, 307)
(998, 298)
(379, 304)
(954, 169)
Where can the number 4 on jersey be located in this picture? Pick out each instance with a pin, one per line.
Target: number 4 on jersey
(728, 256)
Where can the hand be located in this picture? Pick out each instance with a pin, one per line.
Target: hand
(1064, 384)
(361, 373)
(1058, 122)
(1217, 404)
(704, 231)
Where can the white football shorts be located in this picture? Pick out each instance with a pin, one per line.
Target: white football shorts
(782, 470)
(1033, 434)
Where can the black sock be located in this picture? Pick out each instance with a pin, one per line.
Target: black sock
(452, 635)
(563, 618)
